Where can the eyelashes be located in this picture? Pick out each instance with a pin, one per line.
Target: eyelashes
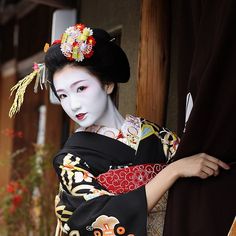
(78, 90)
(81, 89)
(61, 96)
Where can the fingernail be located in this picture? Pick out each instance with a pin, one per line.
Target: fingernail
(227, 167)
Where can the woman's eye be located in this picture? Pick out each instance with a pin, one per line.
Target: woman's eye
(81, 88)
(61, 96)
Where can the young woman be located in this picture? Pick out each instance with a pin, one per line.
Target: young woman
(108, 169)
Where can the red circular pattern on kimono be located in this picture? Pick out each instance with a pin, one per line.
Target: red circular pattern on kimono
(126, 179)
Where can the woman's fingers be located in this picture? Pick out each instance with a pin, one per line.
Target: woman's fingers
(223, 165)
(211, 166)
(216, 172)
(218, 162)
(214, 169)
(203, 175)
(208, 171)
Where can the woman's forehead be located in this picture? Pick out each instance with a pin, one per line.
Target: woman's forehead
(72, 75)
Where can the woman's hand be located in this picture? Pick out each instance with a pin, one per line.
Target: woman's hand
(199, 165)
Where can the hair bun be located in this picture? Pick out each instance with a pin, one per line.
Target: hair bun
(91, 48)
(101, 35)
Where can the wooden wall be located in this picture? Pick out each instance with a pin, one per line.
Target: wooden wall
(153, 60)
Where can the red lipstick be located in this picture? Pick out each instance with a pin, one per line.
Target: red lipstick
(81, 116)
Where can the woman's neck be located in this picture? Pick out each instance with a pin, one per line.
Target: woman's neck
(111, 118)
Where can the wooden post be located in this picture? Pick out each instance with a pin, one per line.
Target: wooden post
(7, 80)
(153, 60)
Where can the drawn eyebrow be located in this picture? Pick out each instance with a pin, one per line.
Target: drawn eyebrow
(60, 90)
(76, 82)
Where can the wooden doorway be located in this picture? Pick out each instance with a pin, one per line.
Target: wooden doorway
(153, 61)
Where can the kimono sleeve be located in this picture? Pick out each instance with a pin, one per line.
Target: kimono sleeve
(85, 208)
(158, 141)
(170, 142)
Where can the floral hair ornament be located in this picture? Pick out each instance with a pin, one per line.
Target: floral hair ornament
(20, 87)
(77, 42)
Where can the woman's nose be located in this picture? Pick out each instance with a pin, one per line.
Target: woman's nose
(74, 103)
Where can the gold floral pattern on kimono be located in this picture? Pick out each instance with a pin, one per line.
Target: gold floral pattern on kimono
(79, 182)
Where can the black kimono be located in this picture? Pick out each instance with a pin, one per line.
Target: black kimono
(83, 205)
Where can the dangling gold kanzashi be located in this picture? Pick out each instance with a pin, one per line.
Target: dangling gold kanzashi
(20, 87)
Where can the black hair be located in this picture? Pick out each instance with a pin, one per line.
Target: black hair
(108, 63)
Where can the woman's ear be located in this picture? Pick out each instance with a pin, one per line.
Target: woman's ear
(109, 88)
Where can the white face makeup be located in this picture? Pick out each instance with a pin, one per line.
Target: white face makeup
(82, 96)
